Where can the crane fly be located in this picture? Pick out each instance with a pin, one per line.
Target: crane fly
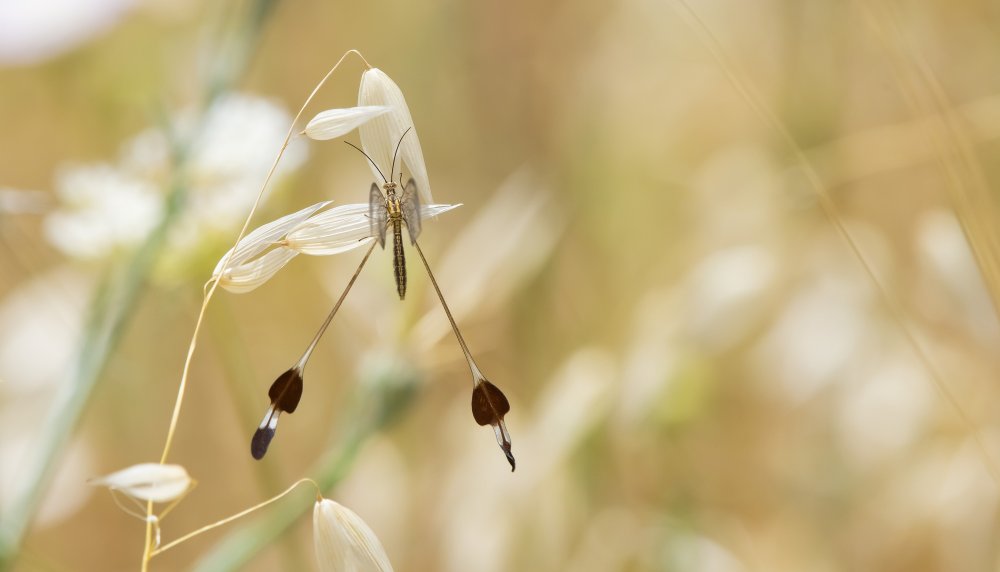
(286, 391)
(489, 404)
(390, 210)
(394, 211)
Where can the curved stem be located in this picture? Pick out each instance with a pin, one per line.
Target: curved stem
(225, 263)
(229, 519)
(185, 372)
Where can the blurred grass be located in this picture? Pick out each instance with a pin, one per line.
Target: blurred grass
(765, 417)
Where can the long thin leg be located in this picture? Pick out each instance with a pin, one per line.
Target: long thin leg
(286, 391)
(489, 404)
(477, 375)
(329, 318)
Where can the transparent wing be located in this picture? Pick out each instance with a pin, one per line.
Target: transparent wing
(377, 214)
(411, 209)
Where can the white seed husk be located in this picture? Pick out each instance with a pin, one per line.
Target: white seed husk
(334, 123)
(343, 541)
(148, 482)
(380, 136)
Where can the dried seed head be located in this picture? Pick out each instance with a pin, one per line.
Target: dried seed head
(341, 228)
(334, 123)
(381, 135)
(251, 263)
(148, 482)
(489, 405)
(267, 249)
(344, 542)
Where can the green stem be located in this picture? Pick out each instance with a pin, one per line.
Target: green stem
(111, 309)
(112, 304)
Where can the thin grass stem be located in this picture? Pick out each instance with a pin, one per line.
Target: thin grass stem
(898, 315)
(235, 550)
(231, 518)
(185, 372)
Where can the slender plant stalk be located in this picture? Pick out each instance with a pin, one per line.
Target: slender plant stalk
(833, 214)
(969, 190)
(227, 342)
(239, 546)
(236, 516)
(113, 304)
(178, 403)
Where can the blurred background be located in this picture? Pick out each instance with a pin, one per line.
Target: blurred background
(735, 269)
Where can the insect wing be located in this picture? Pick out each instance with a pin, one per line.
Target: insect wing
(377, 214)
(411, 210)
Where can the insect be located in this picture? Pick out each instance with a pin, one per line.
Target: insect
(392, 210)
(489, 404)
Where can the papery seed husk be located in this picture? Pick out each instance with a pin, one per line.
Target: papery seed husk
(334, 123)
(148, 481)
(344, 542)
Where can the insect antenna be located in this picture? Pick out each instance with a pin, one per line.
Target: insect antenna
(370, 160)
(393, 167)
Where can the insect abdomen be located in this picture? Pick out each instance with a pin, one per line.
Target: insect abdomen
(399, 259)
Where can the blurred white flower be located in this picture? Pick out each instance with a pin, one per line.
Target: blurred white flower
(102, 209)
(381, 135)
(883, 411)
(148, 482)
(333, 123)
(727, 290)
(235, 145)
(266, 250)
(40, 325)
(820, 330)
(31, 32)
(230, 150)
(344, 543)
